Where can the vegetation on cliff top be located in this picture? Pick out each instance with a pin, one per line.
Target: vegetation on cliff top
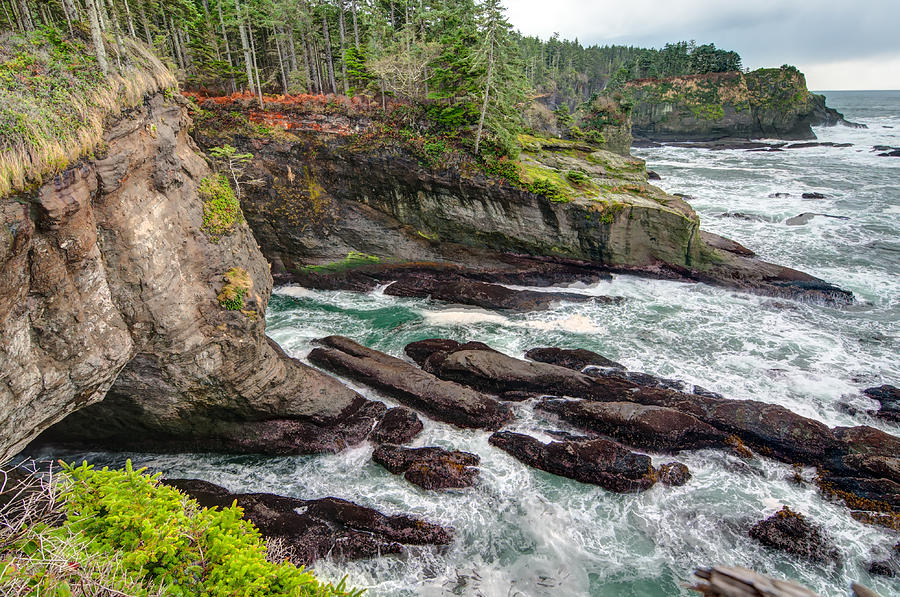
(54, 98)
(124, 533)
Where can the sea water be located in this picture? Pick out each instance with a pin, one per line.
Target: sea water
(522, 531)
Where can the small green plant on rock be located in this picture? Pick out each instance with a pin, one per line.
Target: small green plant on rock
(221, 208)
(237, 285)
(227, 157)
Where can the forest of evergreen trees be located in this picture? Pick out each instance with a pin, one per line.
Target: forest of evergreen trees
(460, 57)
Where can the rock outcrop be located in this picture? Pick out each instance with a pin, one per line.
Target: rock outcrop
(108, 287)
(762, 104)
(791, 532)
(596, 461)
(337, 184)
(429, 467)
(313, 529)
(443, 400)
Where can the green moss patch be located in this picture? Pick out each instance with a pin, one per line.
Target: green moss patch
(352, 260)
(221, 208)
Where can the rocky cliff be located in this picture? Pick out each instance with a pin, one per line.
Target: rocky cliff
(335, 182)
(108, 292)
(765, 103)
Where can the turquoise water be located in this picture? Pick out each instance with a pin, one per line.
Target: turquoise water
(525, 532)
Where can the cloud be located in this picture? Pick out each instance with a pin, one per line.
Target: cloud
(807, 33)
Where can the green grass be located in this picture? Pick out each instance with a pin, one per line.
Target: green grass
(352, 260)
(125, 531)
(237, 284)
(54, 98)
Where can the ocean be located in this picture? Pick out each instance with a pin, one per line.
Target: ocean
(521, 531)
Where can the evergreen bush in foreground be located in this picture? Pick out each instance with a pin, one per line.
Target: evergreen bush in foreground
(123, 533)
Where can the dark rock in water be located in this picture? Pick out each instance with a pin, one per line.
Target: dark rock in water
(642, 379)
(889, 397)
(791, 532)
(889, 567)
(325, 527)
(429, 468)
(813, 196)
(516, 396)
(481, 294)
(883, 148)
(805, 218)
(683, 196)
(421, 350)
(651, 175)
(779, 195)
(701, 391)
(597, 461)
(674, 474)
(443, 400)
(738, 215)
(653, 428)
(725, 244)
(894, 153)
(398, 426)
(864, 451)
(496, 373)
(576, 359)
(883, 491)
(569, 437)
(771, 429)
(817, 144)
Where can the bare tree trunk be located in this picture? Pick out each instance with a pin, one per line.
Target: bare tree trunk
(255, 66)
(145, 24)
(130, 20)
(355, 27)
(248, 61)
(120, 51)
(97, 36)
(227, 47)
(67, 10)
(328, 54)
(343, 55)
(284, 81)
(27, 21)
(9, 18)
(487, 90)
(292, 48)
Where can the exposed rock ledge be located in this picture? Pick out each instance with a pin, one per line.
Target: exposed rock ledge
(108, 288)
(335, 185)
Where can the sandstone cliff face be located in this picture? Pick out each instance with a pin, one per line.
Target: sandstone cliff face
(766, 103)
(108, 289)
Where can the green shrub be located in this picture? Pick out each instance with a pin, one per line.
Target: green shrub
(167, 539)
(549, 189)
(102, 532)
(221, 208)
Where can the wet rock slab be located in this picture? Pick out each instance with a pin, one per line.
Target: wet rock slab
(398, 426)
(313, 529)
(793, 533)
(597, 461)
(576, 359)
(481, 294)
(889, 397)
(429, 467)
(443, 400)
(645, 427)
(674, 474)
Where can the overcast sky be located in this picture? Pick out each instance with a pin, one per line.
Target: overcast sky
(839, 44)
